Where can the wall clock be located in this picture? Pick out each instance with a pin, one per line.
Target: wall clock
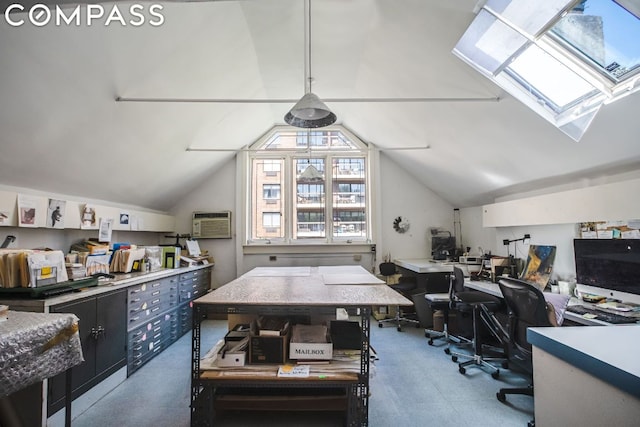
(401, 224)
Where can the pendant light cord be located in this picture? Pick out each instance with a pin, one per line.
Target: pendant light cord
(309, 77)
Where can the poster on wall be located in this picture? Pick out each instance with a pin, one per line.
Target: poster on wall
(106, 227)
(124, 219)
(27, 210)
(56, 213)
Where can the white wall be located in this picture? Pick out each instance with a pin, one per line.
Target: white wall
(217, 193)
(402, 195)
(474, 235)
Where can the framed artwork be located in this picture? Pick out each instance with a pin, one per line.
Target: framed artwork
(539, 265)
(88, 218)
(27, 210)
(55, 213)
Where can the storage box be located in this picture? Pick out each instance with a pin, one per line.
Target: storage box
(170, 256)
(228, 358)
(310, 342)
(238, 333)
(268, 348)
(346, 335)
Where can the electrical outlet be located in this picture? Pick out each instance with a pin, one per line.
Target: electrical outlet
(273, 258)
(357, 257)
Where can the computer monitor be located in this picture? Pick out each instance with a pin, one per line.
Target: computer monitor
(609, 267)
(442, 247)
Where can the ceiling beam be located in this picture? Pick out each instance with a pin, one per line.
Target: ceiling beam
(289, 101)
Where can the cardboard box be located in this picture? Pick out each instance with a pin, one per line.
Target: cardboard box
(228, 358)
(238, 333)
(346, 335)
(310, 342)
(231, 360)
(268, 348)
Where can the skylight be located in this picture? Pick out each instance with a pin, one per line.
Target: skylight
(562, 58)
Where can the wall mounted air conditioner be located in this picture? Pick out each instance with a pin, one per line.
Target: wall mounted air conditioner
(211, 225)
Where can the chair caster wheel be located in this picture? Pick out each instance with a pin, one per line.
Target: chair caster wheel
(430, 342)
(501, 397)
(399, 328)
(495, 375)
(379, 325)
(531, 424)
(455, 359)
(447, 351)
(462, 370)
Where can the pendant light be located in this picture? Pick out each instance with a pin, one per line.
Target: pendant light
(310, 112)
(311, 173)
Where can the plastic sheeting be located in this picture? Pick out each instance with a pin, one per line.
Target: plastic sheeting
(35, 346)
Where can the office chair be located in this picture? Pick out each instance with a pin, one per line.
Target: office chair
(527, 308)
(405, 286)
(441, 302)
(481, 306)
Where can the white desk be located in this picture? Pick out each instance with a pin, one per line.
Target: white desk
(586, 376)
(424, 265)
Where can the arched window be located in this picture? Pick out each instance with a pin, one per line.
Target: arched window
(308, 186)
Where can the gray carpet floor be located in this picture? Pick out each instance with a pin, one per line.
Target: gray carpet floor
(412, 384)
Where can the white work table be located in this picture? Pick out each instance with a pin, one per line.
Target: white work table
(424, 265)
(592, 371)
(289, 291)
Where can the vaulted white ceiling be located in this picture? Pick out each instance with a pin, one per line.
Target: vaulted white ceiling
(63, 130)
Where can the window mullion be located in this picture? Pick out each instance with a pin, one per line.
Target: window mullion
(328, 197)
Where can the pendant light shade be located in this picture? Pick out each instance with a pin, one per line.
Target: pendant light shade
(310, 113)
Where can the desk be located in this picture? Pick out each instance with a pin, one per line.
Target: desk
(36, 346)
(421, 269)
(314, 291)
(494, 289)
(593, 373)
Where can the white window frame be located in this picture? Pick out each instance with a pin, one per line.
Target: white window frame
(246, 159)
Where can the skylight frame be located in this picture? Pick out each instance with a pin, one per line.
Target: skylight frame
(472, 49)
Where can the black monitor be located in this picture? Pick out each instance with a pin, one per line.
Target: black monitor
(612, 265)
(443, 247)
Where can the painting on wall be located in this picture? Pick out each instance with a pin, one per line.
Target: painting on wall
(539, 265)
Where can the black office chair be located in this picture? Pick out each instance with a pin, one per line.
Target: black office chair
(441, 302)
(405, 286)
(527, 308)
(480, 306)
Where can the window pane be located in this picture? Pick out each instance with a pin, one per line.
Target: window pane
(549, 80)
(310, 199)
(271, 191)
(605, 34)
(266, 198)
(271, 219)
(349, 197)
